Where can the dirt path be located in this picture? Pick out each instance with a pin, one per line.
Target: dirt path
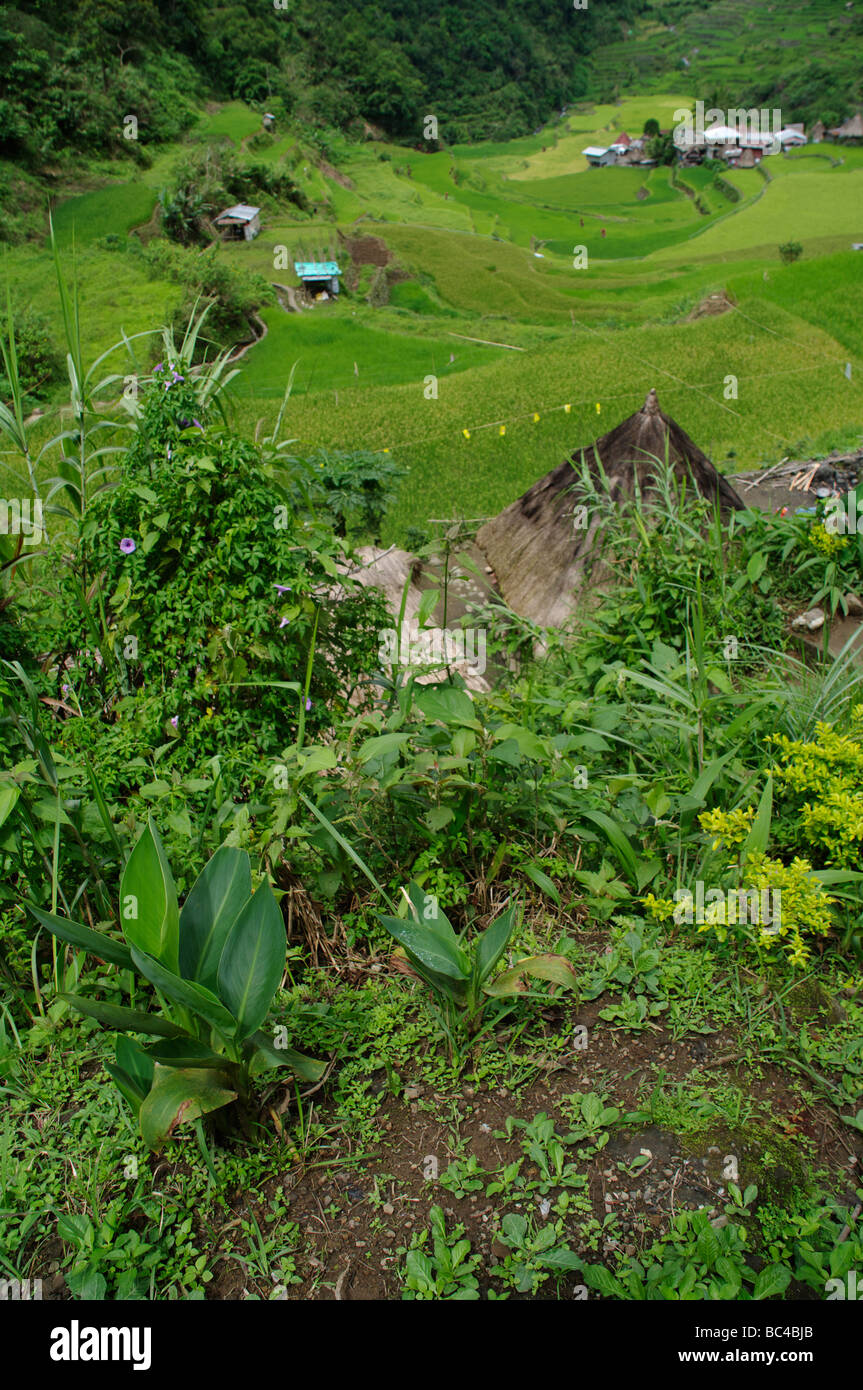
(289, 293)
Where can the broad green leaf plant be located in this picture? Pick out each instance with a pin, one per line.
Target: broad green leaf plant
(216, 964)
(460, 973)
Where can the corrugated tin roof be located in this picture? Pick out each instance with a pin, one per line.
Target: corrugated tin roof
(595, 151)
(241, 212)
(316, 270)
(722, 133)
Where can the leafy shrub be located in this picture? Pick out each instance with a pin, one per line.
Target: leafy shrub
(183, 210)
(232, 293)
(790, 251)
(799, 556)
(353, 488)
(821, 793)
(677, 561)
(219, 961)
(40, 364)
(805, 907)
(805, 911)
(661, 148)
(214, 598)
(696, 1260)
(442, 792)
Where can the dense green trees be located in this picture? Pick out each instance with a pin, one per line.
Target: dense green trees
(493, 69)
(489, 70)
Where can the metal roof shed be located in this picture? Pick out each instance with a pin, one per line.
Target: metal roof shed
(239, 223)
(318, 277)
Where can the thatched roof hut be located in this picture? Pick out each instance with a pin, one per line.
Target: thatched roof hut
(851, 129)
(539, 545)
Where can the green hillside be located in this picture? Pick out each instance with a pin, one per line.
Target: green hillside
(805, 56)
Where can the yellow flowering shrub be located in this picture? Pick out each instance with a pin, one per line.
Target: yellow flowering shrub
(828, 543)
(728, 827)
(775, 909)
(823, 782)
(660, 909)
(804, 910)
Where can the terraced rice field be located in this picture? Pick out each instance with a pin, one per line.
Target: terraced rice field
(488, 301)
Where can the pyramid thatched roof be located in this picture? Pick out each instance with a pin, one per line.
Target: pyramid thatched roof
(851, 129)
(535, 546)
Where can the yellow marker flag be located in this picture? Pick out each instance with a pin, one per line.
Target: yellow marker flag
(598, 407)
(567, 409)
(466, 434)
(535, 417)
(502, 429)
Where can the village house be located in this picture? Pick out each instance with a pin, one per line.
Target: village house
(624, 151)
(320, 279)
(738, 146)
(239, 223)
(791, 135)
(599, 156)
(621, 144)
(849, 130)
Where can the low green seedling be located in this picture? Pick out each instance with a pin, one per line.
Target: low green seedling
(534, 1255)
(460, 973)
(447, 1273)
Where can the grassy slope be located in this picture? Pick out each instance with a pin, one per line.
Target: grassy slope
(688, 363)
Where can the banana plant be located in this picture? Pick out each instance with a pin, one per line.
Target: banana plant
(460, 973)
(215, 964)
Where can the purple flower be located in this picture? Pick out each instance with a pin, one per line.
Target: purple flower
(159, 367)
(282, 589)
(283, 623)
(198, 423)
(127, 545)
(308, 703)
(175, 720)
